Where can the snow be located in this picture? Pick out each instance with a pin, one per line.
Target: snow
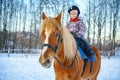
(27, 67)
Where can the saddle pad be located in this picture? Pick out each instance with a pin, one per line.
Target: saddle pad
(83, 56)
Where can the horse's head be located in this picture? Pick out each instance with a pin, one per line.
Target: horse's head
(51, 34)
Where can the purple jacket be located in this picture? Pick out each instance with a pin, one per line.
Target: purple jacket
(77, 27)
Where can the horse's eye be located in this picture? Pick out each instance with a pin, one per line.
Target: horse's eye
(56, 35)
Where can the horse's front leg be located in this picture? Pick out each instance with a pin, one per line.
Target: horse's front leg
(77, 77)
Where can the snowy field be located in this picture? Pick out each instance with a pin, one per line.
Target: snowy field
(27, 67)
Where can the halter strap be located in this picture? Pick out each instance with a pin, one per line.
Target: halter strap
(69, 66)
(51, 46)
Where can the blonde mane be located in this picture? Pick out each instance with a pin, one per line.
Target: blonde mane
(69, 43)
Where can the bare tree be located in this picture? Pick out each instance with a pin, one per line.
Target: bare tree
(1, 14)
(110, 22)
(94, 21)
(5, 20)
(104, 20)
(115, 19)
(100, 24)
(89, 21)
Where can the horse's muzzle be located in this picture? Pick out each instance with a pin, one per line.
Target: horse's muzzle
(45, 62)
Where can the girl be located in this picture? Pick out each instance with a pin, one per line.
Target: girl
(77, 27)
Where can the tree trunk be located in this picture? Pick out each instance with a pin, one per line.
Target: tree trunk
(89, 24)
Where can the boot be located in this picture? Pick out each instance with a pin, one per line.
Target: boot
(90, 52)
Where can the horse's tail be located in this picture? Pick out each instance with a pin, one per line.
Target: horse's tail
(98, 56)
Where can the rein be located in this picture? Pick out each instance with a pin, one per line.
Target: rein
(55, 50)
(69, 66)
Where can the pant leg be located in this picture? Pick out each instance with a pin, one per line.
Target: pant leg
(84, 45)
(82, 53)
(87, 47)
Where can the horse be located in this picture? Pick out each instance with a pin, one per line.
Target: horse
(59, 45)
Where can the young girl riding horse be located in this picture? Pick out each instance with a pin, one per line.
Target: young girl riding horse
(77, 27)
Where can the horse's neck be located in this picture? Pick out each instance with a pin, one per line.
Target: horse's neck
(60, 53)
(60, 56)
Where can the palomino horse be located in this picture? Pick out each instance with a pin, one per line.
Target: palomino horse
(59, 44)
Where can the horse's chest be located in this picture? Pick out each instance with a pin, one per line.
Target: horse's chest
(63, 74)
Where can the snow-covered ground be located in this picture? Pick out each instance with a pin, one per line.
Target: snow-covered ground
(27, 67)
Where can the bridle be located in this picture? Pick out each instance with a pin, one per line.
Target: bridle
(55, 50)
(51, 46)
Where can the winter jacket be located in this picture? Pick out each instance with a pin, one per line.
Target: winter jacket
(78, 27)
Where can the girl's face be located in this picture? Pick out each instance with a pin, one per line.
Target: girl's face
(73, 14)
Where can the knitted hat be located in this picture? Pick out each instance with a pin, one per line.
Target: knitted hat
(74, 8)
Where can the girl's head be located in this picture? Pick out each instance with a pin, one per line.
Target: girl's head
(74, 12)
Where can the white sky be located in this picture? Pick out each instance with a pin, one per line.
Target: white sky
(82, 4)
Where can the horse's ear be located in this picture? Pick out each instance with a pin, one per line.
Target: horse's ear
(58, 18)
(43, 16)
